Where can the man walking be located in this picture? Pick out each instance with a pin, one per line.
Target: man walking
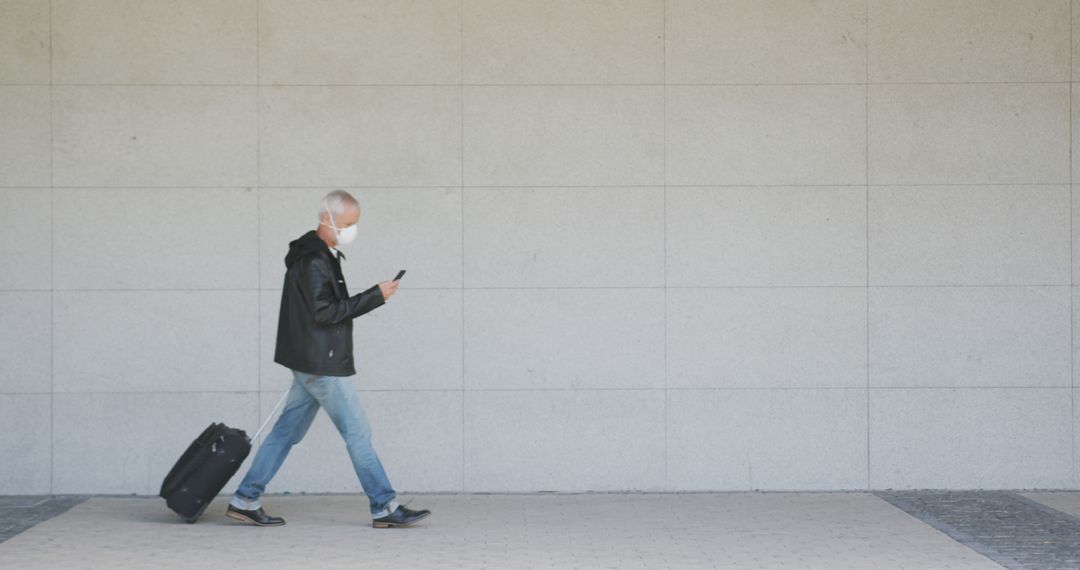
(314, 340)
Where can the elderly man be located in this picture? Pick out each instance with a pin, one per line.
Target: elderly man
(314, 340)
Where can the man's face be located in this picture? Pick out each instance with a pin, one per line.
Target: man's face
(350, 216)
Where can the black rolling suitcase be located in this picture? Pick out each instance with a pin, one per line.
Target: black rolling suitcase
(206, 466)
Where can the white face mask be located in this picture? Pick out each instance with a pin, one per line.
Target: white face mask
(341, 236)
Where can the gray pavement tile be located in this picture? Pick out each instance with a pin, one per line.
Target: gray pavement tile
(1007, 527)
(21, 512)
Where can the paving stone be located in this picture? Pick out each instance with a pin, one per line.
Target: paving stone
(20, 512)
(1005, 526)
(503, 531)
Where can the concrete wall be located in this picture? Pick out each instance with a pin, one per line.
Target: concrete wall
(682, 245)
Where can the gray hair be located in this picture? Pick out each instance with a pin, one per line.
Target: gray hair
(335, 202)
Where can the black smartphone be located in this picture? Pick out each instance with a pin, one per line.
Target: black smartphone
(399, 274)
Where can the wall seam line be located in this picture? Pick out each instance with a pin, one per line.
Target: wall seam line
(52, 270)
(578, 287)
(461, 149)
(692, 388)
(516, 187)
(664, 35)
(866, 200)
(546, 85)
(1072, 277)
(258, 215)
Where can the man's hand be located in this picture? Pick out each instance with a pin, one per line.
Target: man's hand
(388, 288)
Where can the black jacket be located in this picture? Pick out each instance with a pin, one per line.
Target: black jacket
(315, 319)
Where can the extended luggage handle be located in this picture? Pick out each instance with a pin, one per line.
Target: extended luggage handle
(283, 396)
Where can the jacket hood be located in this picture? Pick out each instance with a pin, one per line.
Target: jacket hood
(304, 245)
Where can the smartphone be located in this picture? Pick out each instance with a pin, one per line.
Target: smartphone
(399, 274)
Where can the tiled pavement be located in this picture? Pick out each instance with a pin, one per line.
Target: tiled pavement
(894, 530)
(1014, 530)
(21, 512)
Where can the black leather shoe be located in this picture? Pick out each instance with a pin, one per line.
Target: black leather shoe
(400, 517)
(258, 516)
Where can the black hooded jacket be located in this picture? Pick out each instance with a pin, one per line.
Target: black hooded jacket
(315, 319)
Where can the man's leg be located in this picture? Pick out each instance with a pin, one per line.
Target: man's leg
(288, 430)
(338, 396)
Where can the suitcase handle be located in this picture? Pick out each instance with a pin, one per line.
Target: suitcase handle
(283, 396)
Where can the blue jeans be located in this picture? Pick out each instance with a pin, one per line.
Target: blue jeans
(337, 395)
